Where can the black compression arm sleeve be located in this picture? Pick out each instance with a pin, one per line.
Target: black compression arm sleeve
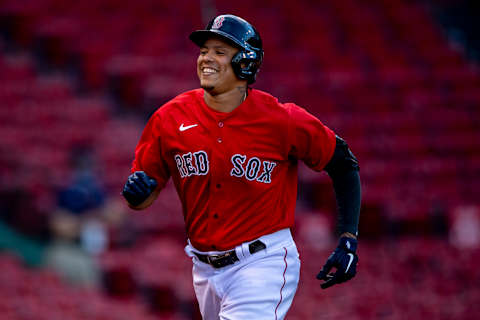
(343, 169)
(348, 195)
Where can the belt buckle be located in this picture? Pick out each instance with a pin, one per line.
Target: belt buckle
(215, 259)
(218, 260)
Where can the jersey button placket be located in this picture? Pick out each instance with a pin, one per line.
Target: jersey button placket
(218, 164)
(219, 140)
(220, 125)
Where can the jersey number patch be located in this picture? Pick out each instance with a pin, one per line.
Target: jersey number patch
(253, 169)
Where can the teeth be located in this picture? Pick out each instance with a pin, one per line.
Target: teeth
(209, 70)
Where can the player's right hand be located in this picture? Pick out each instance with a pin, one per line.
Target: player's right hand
(138, 188)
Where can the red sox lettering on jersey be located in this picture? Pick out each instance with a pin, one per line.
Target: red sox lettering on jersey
(235, 173)
(252, 168)
(196, 163)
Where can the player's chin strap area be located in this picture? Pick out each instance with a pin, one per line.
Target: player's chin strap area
(229, 257)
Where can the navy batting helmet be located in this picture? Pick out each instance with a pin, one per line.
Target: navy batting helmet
(239, 33)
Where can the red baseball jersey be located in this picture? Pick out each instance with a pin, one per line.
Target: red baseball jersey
(236, 172)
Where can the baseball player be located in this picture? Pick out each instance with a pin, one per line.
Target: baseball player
(232, 152)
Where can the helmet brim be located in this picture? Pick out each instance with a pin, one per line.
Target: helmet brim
(200, 36)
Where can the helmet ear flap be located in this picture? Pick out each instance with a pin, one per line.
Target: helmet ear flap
(246, 64)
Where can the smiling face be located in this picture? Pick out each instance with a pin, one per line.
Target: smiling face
(214, 67)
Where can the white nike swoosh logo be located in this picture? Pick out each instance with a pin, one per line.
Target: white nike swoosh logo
(349, 262)
(183, 128)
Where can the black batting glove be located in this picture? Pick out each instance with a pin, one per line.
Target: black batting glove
(344, 259)
(138, 188)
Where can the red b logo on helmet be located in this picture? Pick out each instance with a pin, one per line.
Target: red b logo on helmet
(218, 22)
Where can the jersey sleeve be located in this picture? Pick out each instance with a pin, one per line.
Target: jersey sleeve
(309, 139)
(148, 153)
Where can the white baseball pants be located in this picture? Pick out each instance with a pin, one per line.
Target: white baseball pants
(260, 286)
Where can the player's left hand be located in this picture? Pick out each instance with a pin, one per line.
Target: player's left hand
(344, 259)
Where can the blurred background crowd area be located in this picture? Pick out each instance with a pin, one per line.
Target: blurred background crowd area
(399, 80)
